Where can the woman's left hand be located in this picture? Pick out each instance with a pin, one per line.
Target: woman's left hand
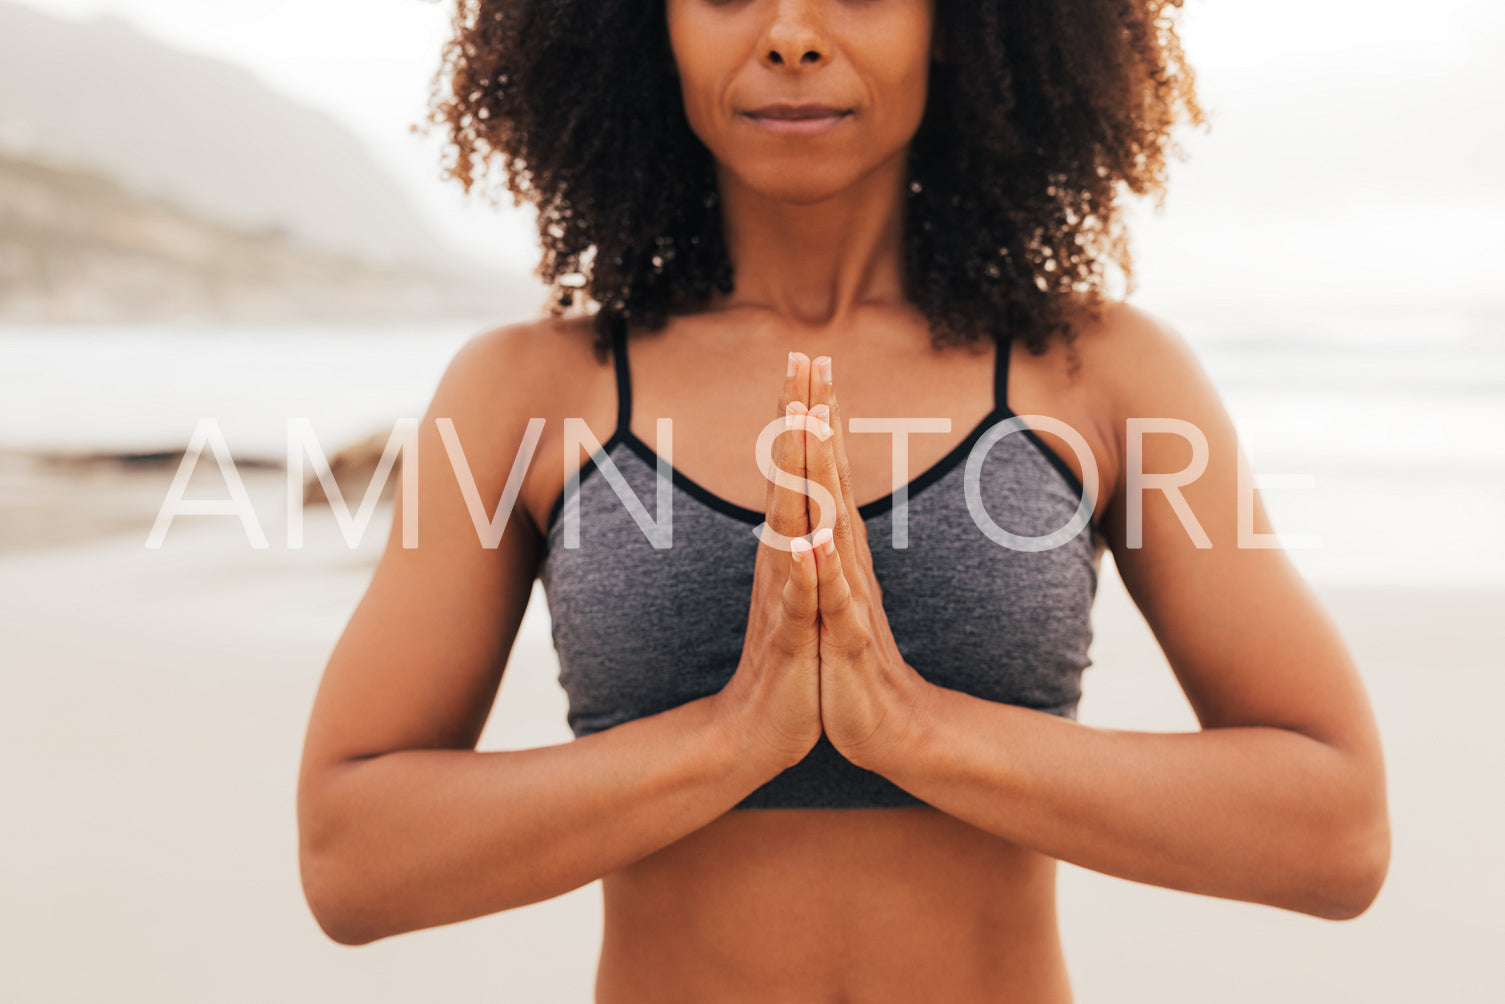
(871, 700)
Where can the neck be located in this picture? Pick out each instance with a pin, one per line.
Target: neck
(817, 265)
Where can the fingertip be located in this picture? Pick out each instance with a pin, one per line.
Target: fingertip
(792, 412)
(790, 389)
(820, 416)
(799, 384)
(823, 540)
(792, 371)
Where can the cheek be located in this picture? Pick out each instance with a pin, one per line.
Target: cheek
(698, 112)
(907, 93)
(913, 76)
(694, 49)
(698, 96)
(900, 70)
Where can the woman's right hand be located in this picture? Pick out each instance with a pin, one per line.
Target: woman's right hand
(773, 699)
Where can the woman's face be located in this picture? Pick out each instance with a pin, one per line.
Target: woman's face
(865, 63)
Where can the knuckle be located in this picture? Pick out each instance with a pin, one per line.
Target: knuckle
(787, 643)
(844, 471)
(789, 601)
(796, 604)
(779, 645)
(775, 632)
(855, 645)
(825, 457)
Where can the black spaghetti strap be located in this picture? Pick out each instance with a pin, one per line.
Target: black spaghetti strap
(1001, 372)
(624, 376)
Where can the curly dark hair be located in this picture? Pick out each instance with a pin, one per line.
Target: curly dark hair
(1040, 109)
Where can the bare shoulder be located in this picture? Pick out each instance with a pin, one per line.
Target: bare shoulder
(1137, 363)
(1117, 351)
(541, 367)
(1172, 436)
(526, 362)
(505, 377)
(1121, 362)
(1129, 354)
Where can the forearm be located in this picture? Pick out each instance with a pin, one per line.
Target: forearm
(1260, 814)
(419, 838)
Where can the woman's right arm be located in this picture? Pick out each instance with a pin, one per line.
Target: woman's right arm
(402, 824)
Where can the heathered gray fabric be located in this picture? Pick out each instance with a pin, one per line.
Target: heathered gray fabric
(640, 629)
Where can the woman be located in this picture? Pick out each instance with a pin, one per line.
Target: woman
(846, 772)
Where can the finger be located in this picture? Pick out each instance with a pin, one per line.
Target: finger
(789, 500)
(827, 389)
(821, 469)
(801, 599)
(785, 507)
(793, 519)
(838, 613)
(795, 387)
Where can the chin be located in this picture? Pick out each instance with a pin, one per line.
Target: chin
(799, 183)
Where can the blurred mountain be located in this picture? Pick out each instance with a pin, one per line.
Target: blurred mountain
(77, 246)
(205, 135)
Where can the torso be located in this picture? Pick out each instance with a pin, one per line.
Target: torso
(822, 905)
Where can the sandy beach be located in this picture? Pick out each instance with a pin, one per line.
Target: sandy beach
(154, 709)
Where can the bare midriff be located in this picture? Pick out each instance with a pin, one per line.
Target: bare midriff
(820, 906)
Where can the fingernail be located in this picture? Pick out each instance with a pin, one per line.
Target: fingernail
(822, 413)
(799, 547)
(791, 414)
(825, 369)
(794, 365)
(824, 539)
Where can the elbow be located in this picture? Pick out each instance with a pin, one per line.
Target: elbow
(328, 903)
(1353, 842)
(333, 909)
(337, 928)
(1370, 878)
(1359, 866)
(335, 887)
(338, 931)
(344, 935)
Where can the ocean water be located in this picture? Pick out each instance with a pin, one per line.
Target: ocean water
(1391, 449)
(145, 387)
(1401, 443)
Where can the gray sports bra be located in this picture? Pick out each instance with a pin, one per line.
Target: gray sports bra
(640, 629)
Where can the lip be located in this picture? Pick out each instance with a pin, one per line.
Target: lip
(797, 120)
(792, 111)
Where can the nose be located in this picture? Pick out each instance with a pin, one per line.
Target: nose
(795, 35)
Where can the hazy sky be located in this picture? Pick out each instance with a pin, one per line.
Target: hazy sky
(1353, 155)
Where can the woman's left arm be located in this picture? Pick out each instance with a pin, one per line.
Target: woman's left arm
(1280, 798)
